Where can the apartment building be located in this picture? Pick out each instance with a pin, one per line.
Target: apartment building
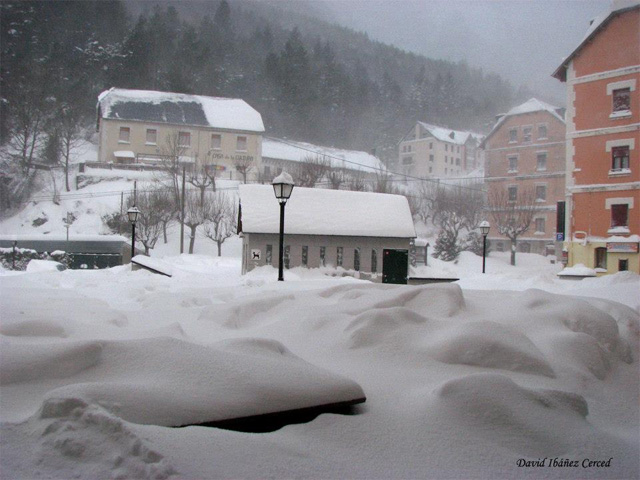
(603, 125)
(432, 151)
(147, 127)
(525, 152)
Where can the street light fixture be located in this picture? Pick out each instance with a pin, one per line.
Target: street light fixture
(282, 187)
(484, 228)
(132, 213)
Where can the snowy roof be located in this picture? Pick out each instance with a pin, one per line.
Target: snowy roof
(617, 7)
(315, 211)
(530, 106)
(278, 149)
(449, 135)
(179, 109)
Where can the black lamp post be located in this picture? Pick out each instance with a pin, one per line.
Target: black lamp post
(484, 228)
(282, 187)
(133, 217)
(426, 254)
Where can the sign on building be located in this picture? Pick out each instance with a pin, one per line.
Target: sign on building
(622, 247)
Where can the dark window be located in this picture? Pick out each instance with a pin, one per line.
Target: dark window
(541, 192)
(513, 164)
(542, 131)
(184, 139)
(540, 225)
(268, 258)
(525, 247)
(267, 171)
(542, 161)
(623, 265)
(601, 258)
(374, 261)
(124, 135)
(241, 143)
(305, 256)
(407, 160)
(446, 148)
(513, 135)
(526, 134)
(152, 136)
(430, 145)
(216, 141)
(356, 259)
(339, 256)
(323, 256)
(431, 158)
(620, 158)
(619, 215)
(513, 194)
(287, 256)
(622, 100)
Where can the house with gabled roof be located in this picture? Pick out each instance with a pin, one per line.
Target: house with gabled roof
(432, 151)
(525, 153)
(360, 233)
(603, 142)
(146, 127)
(283, 154)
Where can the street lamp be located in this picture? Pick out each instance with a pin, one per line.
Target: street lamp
(426, 254)
(132, 213)
(484, 228)
(282, 187)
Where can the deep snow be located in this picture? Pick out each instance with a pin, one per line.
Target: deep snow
(463, 380)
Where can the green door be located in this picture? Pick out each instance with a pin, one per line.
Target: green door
(395, 266)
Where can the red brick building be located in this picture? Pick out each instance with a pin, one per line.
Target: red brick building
(603, 139)
(525, 151)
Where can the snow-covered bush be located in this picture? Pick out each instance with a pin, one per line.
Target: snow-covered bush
(19, 258)
(447, 247)
(474, 243)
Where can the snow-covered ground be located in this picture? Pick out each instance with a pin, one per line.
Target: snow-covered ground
(465, 380)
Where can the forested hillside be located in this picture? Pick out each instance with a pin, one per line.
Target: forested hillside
(311, 80)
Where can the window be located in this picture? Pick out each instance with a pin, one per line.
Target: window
(513, 164)
(305, 256)
(457, 161)
(619, 215)
(525, 247)
(431, 158)
(287, 256)
(152, 136)
(408, 148)
(407, 160)
(542, 162)
(541, 193)
(374, 261)
(216, 141)
(446, 148)
(622, 100)
(267, 171)
(356, 259)
(601, 258)
(500, 247)
(540, 225)
(184, 139)
(445, 171)
(526, 134)
(620, 158)
(446, 159)
(542, 131)
(513, 193)
(323, 256)
(430, 145)
(268, 258)
(513, 135)
(339, 256)
(241, 144)
(124, 135)
(430, 169)
(458, 149)
(623, 265)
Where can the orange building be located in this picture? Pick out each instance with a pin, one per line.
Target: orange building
(525, 151)
(603, 139)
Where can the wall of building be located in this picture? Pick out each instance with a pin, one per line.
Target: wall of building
(448, 157)
(259, 241)
(527, 176)
(610, 60)
(200, 150)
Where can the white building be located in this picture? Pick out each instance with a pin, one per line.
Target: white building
(366, 233)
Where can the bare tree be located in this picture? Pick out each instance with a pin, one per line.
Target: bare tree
(28, 114)
(171, 155)
(222, 221)
(202, 178)
(357, 182)
(70, 136)
(165, 208)
(511, 215)
(149, 222)
(336, 178)
(243, 165)
(310, 171)
(196, 213)
(384, 183)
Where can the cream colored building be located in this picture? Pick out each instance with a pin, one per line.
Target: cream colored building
(432, 151)
(148, 127)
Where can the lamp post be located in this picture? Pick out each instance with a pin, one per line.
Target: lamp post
(282, 187)
(426, 254)
(484, 228)
(132, 213)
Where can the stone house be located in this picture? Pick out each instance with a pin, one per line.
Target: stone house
(148, 127)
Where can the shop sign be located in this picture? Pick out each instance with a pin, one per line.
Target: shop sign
(622, 247)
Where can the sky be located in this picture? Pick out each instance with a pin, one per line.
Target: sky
(522, 40)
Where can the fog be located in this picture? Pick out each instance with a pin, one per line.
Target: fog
(522, 40)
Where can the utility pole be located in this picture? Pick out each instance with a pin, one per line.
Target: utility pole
(182, 200)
